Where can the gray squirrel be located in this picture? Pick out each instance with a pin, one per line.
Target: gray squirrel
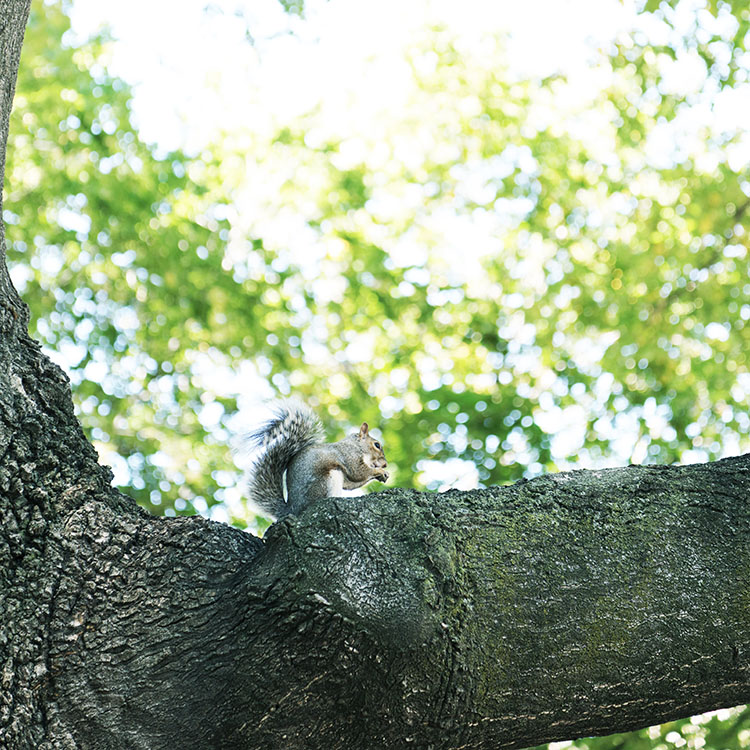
(295, 467)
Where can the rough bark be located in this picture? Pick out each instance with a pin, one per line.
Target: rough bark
(13, 15)
(577, 603)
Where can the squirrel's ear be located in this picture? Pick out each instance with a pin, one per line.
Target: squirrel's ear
(363, 430)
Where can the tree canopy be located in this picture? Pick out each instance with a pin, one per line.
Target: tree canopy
(505, 276)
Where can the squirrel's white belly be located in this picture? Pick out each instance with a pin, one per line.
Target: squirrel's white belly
(335, 483)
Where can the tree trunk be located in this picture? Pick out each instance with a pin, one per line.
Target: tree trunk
(13, 15)
(574, 604)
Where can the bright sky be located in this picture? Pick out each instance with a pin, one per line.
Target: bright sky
(195, 72)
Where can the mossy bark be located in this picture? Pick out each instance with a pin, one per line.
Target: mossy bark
(577, 603)
(574, 604)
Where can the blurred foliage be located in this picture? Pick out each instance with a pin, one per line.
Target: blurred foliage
(698, 30)
(118, 253)
(728, 729)
(521, 280)
(506, 276)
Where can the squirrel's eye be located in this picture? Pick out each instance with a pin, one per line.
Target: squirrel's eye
(377, 445)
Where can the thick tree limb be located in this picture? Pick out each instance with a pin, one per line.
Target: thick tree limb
(575, 604)
(579, 603)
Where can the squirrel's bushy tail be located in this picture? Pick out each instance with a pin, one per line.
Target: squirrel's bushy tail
(293, 428)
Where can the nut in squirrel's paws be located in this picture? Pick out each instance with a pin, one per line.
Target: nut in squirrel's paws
(382, 477)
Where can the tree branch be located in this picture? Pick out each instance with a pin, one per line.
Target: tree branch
(574, 604)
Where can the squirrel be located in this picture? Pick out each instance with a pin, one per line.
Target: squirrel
(296, 468)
